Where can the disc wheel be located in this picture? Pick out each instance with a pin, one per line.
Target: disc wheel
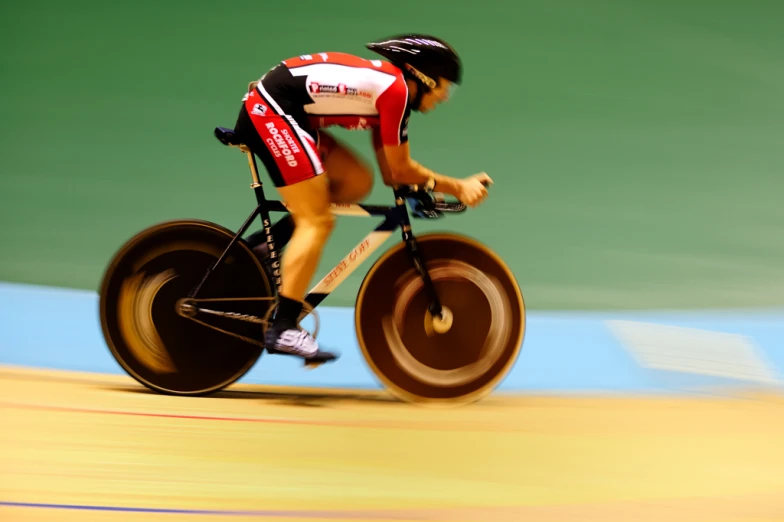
(139, 296)
(427, 360)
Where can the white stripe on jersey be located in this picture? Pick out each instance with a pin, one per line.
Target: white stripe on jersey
(270, 99)
(400, 121)
(360, 87)
(308, 144)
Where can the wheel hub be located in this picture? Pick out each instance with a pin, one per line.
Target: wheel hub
(439, 324)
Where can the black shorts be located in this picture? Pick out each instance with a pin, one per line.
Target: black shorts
(273, 124)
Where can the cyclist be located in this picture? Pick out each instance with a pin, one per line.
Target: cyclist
(282, 120)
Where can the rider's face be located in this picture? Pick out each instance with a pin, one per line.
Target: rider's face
(438, 95)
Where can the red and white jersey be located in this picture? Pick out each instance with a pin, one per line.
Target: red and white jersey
(353, 93)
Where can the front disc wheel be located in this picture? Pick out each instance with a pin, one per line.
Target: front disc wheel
(459, 356)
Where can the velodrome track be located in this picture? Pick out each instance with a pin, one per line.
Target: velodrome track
(96, 445)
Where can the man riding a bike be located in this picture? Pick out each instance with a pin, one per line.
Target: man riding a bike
(282, 120)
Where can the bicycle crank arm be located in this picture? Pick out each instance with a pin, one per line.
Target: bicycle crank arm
(187, 309)
(190, 309)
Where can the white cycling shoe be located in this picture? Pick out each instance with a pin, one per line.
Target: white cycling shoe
(296, 342)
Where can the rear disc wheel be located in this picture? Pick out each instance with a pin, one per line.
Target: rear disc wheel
(143, 287)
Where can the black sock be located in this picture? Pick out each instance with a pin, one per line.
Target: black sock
(287, 313)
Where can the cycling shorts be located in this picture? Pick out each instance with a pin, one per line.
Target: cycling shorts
(276, 129)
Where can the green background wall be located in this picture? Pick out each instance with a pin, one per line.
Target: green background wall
(637, 146)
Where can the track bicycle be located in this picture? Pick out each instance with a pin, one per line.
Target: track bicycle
(439, 317)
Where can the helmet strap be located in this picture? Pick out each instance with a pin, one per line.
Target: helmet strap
(423, 78)
(424, 85)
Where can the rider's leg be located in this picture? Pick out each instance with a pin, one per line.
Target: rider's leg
(293, 164)
(350, 181)
(308, 202)
(346, 180)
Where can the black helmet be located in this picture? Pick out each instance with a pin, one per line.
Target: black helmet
(428, 55)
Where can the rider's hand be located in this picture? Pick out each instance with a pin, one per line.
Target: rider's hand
(472, 189)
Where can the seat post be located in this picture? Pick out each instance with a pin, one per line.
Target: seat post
(254, 171)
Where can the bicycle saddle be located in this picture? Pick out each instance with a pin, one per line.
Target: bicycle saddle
(228, 137)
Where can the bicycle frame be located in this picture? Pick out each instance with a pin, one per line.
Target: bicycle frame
(394, 217)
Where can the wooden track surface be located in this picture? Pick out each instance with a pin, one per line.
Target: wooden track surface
(275, 454)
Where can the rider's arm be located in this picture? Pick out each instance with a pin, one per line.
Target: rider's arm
(398, 168)
(378, 148)
(390, 142)
(404, 170)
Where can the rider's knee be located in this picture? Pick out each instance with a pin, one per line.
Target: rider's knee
(351, 178)
(354, 190)
(363, 184)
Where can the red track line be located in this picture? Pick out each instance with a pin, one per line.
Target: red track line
(269, 420)
(265, 420)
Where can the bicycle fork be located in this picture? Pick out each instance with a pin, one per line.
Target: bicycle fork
(415, 256)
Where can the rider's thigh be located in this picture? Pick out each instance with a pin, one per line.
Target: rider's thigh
(309, 202)
(351, 178)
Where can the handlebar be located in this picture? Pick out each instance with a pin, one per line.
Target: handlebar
(429, 205)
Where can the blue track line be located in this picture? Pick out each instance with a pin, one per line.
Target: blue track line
(326, 515)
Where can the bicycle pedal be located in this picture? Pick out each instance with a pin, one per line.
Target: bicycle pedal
(312, 365)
